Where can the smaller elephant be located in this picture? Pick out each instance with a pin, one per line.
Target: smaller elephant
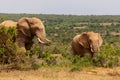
(87, 42)
(8, 23)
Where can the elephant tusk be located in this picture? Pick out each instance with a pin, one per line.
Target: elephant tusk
(48, 40)
(92, 50)
(40, 41)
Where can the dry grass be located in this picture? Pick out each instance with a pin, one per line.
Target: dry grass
(81, 27)
(105, 24)
(115, 33)
(57, 73)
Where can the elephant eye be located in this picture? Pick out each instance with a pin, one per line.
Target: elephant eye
(90, 40)
(31, 23)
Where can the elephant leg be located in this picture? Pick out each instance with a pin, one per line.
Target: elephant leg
(21, 44)
(92, 54)
(28, 46)
(41, 50)
(22, 47)
(81, 55)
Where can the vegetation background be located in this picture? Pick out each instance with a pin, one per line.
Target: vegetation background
(60, 30)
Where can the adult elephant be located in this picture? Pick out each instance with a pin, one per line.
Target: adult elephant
(8, 23)
(27, 29)
(87, 42)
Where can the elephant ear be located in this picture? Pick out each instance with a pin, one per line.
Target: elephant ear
(83, 40)
(24, 27)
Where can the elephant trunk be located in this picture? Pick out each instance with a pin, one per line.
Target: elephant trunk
(41, 36)
(42, 43)
(94, 48)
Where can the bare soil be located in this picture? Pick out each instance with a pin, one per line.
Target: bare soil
(62, 73)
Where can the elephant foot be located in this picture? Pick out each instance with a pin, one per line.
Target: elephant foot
(40, 55)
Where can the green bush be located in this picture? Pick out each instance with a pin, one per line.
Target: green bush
(78, 63)
(109, 56)
(10, 54)
(7, 47)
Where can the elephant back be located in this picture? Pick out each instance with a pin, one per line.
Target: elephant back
(9, 23)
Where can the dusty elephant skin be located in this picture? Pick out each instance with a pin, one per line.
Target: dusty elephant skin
(8, 23)
(27, 29)
(87, 42)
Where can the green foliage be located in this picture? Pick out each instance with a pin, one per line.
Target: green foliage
(60, 30)
(7, 46)
(10, 54)
(109, 56)
(49, 59)
(1, 19)
(78, 63)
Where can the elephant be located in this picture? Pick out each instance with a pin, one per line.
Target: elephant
(8, 23)
(28, 28)
(87, 42)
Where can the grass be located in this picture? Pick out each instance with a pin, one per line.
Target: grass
(58, 73)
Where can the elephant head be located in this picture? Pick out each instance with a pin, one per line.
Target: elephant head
(33, 27)
(91, 41)
(30, 27)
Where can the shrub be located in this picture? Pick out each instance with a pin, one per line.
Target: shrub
(49, 59)
(10, 54)
(109, 56)
(7, 47)
(78, 63)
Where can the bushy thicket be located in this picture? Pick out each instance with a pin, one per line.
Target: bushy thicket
(109, 56)
(7, 46)
(10, 54)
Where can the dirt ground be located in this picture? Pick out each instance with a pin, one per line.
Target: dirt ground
(58, 73)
